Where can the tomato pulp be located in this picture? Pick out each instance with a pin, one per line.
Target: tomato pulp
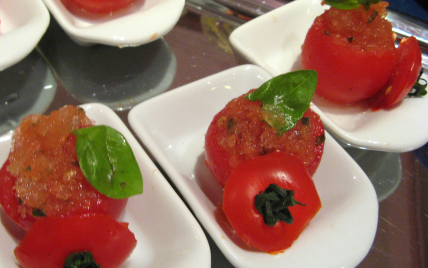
(252, 177)
(352, 51)
(238, 133)
(52, 239)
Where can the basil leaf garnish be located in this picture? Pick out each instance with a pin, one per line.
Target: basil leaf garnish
(107, 161)
(286, 98)
(351, 4)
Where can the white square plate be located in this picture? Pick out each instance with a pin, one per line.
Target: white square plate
(173, 127)
(167, 233)
(273, 41)
(141, 23)
(23, 23)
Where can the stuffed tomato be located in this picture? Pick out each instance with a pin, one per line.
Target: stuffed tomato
(43, 176)
(353, 52)
(245, 128)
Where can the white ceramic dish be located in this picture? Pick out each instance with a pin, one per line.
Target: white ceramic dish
(141, 23)
(167, 233)
(23, 23)
(277, 47)
(173, 126)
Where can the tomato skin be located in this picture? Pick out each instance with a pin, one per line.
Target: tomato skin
(10, 203)
(255, 137)
(345, 74)
(255, 175)
(52, 239)
(101, 6)
(404, 76)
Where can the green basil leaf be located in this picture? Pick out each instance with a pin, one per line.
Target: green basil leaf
(351, 4)
(107, 161)
(286, 98)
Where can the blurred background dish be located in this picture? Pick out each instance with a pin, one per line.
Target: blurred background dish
(23, 22)
(142, 22)
(117, 77)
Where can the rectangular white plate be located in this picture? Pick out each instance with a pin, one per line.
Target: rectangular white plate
(167, 233)
(173, 126)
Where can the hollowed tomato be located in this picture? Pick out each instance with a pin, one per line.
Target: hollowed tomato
(352, 51)
(238, 133)
(98, 203)
(42, 176)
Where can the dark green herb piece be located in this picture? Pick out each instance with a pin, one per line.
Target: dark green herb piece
(420, 86)
(286, 98)
(351, 4)
(107, 161)
(83, 259)
(320, 140)
(37, 212)
(372, 16)
(305, 121)
(273, 204)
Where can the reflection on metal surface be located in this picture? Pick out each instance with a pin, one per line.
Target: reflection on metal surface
(383, 169)
(27, 87)
(217, 32)
(118, 78)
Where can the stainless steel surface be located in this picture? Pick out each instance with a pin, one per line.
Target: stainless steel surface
(199, 45)
(403, 26)
(247, 7)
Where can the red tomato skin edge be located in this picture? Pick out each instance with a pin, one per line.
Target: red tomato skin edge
(99, 6)
(10, 204)
(240, 191)
(403, 78)
(52, 239)
(345, 75)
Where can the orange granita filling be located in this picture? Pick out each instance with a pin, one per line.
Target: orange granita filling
(44, 162)
(247, 135)
(367, 30)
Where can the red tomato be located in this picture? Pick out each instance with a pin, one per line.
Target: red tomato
(99, 203)
(350, 68)
(100, 6)
(255, 175)
(403, 78)
(238, 133)
(52, 239)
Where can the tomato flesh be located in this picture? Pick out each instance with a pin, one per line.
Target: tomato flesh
(403, 78)
(253, 176)
(238, 133)
(352, 51)
(52, 239)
